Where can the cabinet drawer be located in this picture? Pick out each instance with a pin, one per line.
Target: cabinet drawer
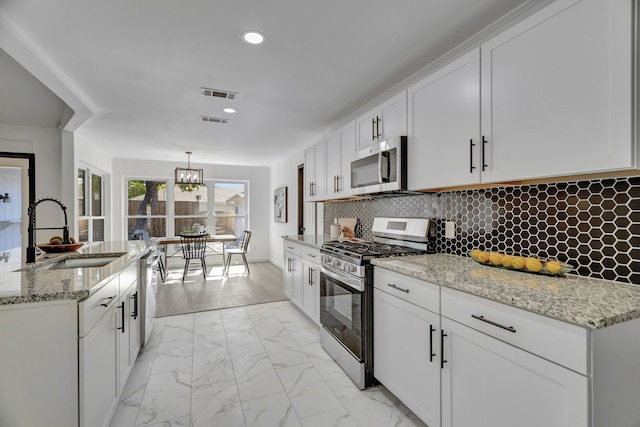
(310, 254)
(293, 248)
(415, 291)
(551, 339)
(91, 310)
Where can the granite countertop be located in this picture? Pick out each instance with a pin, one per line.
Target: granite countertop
(579, 300)
(313, 240)
(35, 283)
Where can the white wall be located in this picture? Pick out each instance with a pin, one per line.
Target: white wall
(260, 194)
(47, 147)
(284, 174)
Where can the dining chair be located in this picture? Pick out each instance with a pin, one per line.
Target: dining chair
(241, 249)
(194, 247)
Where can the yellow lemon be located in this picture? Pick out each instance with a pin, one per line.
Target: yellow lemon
(496, 258)
(533, 264)
(553, 267)
(507, 260)
(518, 262)
(475, 253)
(483, 256)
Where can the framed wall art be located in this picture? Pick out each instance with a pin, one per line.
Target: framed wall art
(280, 204)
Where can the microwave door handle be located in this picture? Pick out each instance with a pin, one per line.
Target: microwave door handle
(380, 167)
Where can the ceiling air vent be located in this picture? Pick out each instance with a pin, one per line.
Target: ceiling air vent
(208, 119)
(219, 93)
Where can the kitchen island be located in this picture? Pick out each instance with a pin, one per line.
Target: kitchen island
(69, 336)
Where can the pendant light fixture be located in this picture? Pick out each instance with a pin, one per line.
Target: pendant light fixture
(189, 179)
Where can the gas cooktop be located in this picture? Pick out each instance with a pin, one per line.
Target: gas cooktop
(366, 250)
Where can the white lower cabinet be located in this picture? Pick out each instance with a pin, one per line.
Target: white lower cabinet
(486, 382)
(406, 354)
(310, 303)
(301, 281)
(459, 360)
(98, 371)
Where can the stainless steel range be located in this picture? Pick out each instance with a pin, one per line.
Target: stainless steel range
(346, 289)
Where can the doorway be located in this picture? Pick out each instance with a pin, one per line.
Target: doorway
(17, 193)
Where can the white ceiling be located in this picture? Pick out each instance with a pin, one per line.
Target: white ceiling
(141, 64)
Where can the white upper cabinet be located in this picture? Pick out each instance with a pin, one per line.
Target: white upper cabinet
(339, 150)
(444, 126)
(386, 121)
(314, 168)
(557, 92)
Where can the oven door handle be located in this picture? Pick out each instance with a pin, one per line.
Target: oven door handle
(351, 283)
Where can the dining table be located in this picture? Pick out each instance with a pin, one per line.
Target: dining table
(212, 238)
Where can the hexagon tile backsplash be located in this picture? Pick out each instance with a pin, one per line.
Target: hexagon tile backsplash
(592, 225)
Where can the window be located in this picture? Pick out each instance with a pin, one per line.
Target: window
(91, 216)
(190, 208)
(146, 209)
(230, 207)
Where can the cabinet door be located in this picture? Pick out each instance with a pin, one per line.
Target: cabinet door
(488, 383)
(366, 133)
(393, 117)
(295, 277)
(557, 92)
(123, 334)
(309, 172)
(287, 271)
(347, 150)
(319, 187)
(405, 338)
(333, 166)
(134, 324)
(310, 282)
(98, 372)
(444, 126)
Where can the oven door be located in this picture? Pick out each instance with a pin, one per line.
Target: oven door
(342, 312)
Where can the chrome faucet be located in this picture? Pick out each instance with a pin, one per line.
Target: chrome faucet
(31, 249)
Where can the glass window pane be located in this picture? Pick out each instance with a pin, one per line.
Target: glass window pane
(96, 195)
(147, 198)
(190, 202)
(81, 201)
(83, 230)
(185, 225)
(229, 198)
(98, 230)
(146, 227)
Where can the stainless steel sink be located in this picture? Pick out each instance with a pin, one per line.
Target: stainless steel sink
(83, 262)
(74, 261)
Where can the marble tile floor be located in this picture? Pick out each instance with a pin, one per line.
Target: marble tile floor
(254, 366)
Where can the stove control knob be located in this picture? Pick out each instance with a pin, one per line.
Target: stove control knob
(323, 258)
(351, 268)
(337, 263)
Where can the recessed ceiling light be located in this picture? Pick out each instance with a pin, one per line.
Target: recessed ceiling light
(229, 110)
(253, 37)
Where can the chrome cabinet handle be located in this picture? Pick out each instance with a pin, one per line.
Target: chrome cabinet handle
(471, 145)
(378, 127)
(491, 322)
(391, 285)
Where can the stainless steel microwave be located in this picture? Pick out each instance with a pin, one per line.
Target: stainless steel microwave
(380, 168)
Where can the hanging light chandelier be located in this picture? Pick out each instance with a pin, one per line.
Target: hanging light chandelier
(189, 179)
